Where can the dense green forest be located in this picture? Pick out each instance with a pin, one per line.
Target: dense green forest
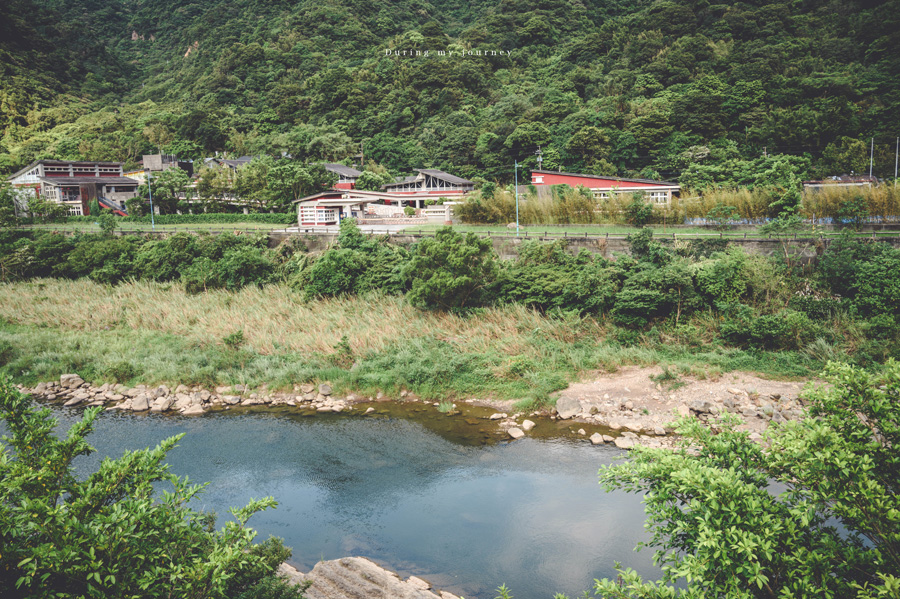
(682, 89)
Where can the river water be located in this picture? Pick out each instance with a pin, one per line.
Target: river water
(444, 502)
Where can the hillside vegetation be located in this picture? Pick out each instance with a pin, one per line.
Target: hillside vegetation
(706, 93)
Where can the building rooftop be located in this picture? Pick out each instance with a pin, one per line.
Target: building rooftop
(605, 177)
(342, 169)
(445, 176)
(34, 163)
(85, 180)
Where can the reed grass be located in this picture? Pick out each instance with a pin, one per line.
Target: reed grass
(155, 333)
(571, 206)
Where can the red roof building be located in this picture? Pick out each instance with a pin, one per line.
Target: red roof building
(660, 192)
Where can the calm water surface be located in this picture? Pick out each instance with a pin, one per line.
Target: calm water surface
(418, 500)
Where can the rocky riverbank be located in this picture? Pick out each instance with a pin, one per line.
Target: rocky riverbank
(625, 409)
(72, 390)
(359, 578)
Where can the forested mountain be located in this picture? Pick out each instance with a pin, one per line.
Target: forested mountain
(675, 88)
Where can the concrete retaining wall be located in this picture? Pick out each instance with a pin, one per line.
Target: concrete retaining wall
(508, 247)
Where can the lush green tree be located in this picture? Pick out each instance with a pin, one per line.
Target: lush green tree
(371, 181)
(722, 215)
(8, 198)
(450, 271)
(813, 513)
(639, 211)
(44, 210)
(118, 532)
(166, 188)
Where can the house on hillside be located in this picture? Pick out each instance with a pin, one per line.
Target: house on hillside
(232, 163)
(157, 163)
(841, 181)
(602, 187)
(76, 184)
(330, 207)
(347, 175)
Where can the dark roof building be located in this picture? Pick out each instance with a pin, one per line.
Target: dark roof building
(76, 183)
(347, 175)
(431, 181)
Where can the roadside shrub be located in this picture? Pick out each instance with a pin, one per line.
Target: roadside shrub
(546, 277)
(635, 307)
(817, 308)
(722, 277)
(787, 329)
(106, 260)
(882, 326)
(336, 272)
(652, 292)
(165, 259)
(645, 249)
(451, 271)
(280, 218)
(839, 265)
(878, 285)
(201, 275)
(50, 251)
(245, 266)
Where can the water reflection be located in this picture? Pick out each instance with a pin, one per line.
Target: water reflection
(465, 515)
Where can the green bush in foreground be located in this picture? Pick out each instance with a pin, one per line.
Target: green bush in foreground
(817, 514)
(112, 534)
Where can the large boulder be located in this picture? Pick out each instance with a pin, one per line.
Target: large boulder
(567, 407)
(360, 578)
(624, 443)
(140, 403)
(516, 433)
(70, 381)
(162, 403)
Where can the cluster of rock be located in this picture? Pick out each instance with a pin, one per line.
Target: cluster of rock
(72, 390)
(360, 578)
(511, 425)
(649, 422)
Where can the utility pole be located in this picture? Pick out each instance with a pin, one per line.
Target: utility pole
(517, 196)
(896, 157)
(150, 192)
(540, 159)
(871, 157)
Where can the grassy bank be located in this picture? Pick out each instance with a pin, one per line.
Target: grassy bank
(156, 333)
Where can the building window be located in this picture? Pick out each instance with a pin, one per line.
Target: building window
(75, 210)
(601, 195)
(659, 197)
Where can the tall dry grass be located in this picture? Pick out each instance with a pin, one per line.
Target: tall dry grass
(571, 206)
(274, 319)
(881, 202)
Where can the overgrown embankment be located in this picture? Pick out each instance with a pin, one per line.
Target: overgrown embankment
(442, 318)
(157, 333)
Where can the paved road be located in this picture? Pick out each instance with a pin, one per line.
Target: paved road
(375, 229)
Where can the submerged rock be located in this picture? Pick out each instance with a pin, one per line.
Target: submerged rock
(567, 407)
